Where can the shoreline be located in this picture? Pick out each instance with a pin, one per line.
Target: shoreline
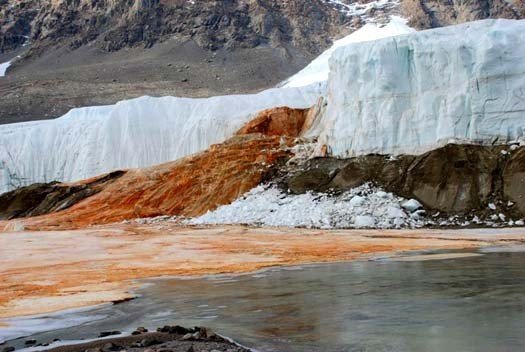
(172, 338)
(109, 262)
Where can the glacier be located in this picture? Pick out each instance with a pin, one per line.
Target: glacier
(134, 133)
(404, 94)
(415, 92)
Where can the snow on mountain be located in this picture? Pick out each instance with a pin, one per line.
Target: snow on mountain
(416, 92)
(362, 9)
(318, 69)
(3, 68)
(361, 207)
(135, 133)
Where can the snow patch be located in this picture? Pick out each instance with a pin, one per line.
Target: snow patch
(3, 68)
(361, 10)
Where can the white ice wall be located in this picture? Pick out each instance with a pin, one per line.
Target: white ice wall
(415, 92)
(135, 133)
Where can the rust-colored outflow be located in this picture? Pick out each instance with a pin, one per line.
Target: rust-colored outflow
(190, 186)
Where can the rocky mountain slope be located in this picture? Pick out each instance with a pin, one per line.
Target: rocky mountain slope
(113, 25)
(424, 14)
(81, 53)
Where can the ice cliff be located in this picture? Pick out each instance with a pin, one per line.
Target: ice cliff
(136, 133)
(413, 93)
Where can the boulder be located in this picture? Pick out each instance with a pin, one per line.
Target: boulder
(455, 178)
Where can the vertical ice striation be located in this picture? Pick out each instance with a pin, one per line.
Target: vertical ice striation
(415, 92)
(134, 133)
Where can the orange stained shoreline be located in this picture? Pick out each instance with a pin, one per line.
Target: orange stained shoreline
(48, 271)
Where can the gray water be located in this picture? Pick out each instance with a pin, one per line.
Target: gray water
(467, 304)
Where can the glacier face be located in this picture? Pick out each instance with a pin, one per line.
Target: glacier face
(135, 133)
(415, 92)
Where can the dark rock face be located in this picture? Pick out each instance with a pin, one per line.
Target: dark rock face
(424, 14)
(514, 180)
(44, 198)
(15, 23)
(454, 179)
(213, 24)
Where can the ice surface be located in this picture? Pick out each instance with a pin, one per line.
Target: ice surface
(135, 133)
(3, 68)
(416, 92)
(318, 69)
(361, 207)
(29, 325)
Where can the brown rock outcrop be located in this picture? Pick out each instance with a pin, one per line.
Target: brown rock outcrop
(43, 198)
(424, 14)
(454, 179)
(514, 180)
(213, 24)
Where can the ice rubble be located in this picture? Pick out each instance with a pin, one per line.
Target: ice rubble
(318, 69)
(362, 207)
(413, 93)
(366, 206)
(135, 133)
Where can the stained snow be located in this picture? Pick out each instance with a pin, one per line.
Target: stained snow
(318, 70)
(362, 207)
